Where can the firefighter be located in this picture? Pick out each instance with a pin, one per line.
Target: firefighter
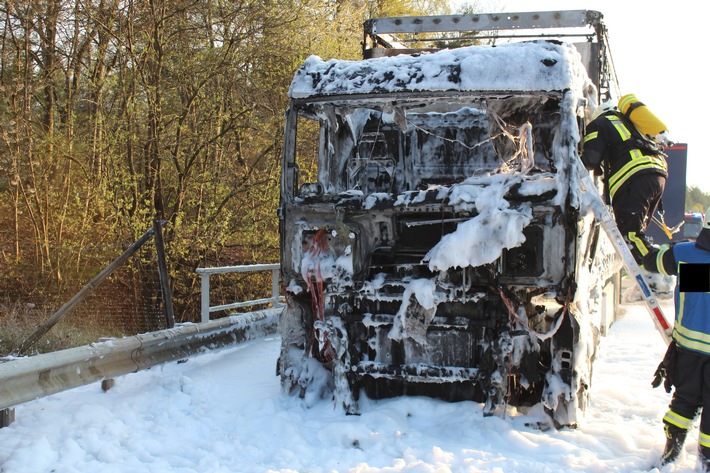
(686, 365)
(634, 170)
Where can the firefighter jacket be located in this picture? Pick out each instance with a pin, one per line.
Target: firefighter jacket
(614, 148)
(692, 324)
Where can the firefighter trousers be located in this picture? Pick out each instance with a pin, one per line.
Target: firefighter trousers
(634, 205)
(692, 395)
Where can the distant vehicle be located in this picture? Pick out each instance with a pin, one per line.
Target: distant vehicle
(674, 207)
(433, 237)
(692, 223)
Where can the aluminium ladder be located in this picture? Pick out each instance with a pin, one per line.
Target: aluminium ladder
(609, 224)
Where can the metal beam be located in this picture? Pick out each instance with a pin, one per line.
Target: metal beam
(483, 22)
(27, 378)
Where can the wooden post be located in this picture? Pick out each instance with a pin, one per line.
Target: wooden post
(7, 416)
(98, 279)
(107, 384)
(163, 272)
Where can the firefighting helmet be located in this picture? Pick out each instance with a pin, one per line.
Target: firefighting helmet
(603, 108)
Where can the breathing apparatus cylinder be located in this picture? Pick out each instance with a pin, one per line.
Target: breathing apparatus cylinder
(643, 119)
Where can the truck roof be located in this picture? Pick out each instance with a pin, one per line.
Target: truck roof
(517, 67)
(474, 54)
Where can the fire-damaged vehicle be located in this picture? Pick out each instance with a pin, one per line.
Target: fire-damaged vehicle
(434, 240)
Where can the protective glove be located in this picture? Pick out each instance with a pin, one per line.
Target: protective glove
(666, 369)
(659, 376)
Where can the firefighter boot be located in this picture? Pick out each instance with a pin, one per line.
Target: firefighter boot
(675, 438)
(639, 244)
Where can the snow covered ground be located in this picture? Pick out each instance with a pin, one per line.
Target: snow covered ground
(224, 412)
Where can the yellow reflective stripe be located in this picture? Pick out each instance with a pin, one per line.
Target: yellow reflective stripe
(691, 339)
(638, 243)
(659, 261)
(620, 128)
(681, 309)
(678, 420)
(591, 136)
(697, 341)
(704, 440)
(636, 154)
(637, 163)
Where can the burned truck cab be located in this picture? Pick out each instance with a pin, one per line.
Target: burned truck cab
(433, 241)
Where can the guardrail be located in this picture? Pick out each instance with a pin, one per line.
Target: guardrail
(205, 273)
(26, 378)
(23, 379)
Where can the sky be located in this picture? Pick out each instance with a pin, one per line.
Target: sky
(659, 51)
(224, 412)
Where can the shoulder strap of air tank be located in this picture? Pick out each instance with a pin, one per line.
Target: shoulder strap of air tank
(643, 142)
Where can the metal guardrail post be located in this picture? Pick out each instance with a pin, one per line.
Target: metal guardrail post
(205, 306)
(7, 416)
(275, 284)
(206, 309)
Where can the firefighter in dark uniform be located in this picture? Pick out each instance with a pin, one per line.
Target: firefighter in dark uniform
(687, 362)
(634, 170)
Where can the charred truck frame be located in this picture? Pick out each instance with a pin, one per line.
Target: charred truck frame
(433, 238)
